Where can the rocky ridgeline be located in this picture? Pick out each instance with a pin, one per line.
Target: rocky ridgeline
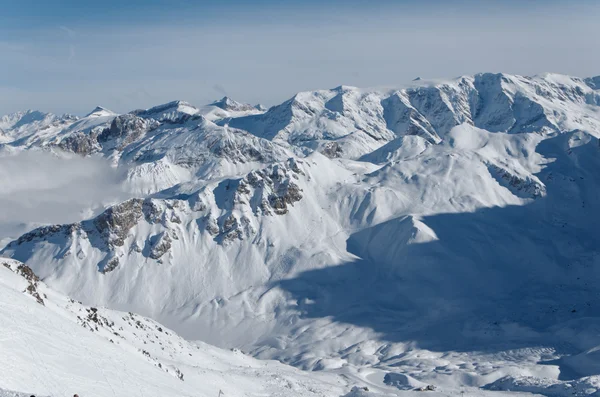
(229, 104)
(273, 186)
(341, 122)
(131, 326)
(122, 131)
(228, 212)
(125, 129)
(115, 223)
(270, 191)
(33, 280)
(107, 232)
(526, 187)
(350, 122)
(171, 112)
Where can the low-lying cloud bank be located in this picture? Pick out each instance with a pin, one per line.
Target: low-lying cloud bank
(38, 187)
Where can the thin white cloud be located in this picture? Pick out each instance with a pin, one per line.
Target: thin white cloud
(69, 31)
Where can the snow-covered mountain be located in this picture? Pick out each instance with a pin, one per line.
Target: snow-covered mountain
(231, 105)
(350, 122)
(441, 233)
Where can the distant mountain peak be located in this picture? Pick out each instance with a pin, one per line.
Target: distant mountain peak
(100, 111)
(180, 105)
(17, 119)
(173, 111)
(344, 88)
(227, 103)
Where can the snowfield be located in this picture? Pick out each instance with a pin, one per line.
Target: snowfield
(441, 235)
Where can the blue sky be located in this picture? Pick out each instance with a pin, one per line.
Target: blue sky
(69, 56)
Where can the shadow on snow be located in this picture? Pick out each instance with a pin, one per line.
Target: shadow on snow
(493, 280)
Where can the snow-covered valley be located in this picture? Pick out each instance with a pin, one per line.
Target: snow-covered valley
(441, 233)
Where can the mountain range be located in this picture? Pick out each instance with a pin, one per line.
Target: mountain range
(442, 233)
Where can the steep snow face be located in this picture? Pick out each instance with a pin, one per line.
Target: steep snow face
(402, 118)
(442, 233)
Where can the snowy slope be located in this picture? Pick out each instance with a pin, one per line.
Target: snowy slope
(52, 345)
(441, 233)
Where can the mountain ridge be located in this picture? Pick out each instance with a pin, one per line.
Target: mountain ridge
(409, 230)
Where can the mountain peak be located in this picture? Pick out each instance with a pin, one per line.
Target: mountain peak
(100, 111)
(178, 102)
(177, 110)
(179, 105)
(344, 88)
(17, 119)
(227, 103)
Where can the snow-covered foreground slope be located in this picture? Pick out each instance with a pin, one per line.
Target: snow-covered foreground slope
(54, 346)
(442, 233)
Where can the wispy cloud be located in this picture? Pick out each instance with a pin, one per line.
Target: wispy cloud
(71, 33)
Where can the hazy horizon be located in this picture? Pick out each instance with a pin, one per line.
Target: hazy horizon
(71, 57)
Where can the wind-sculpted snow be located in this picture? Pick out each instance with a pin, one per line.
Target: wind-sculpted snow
(440, 235)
